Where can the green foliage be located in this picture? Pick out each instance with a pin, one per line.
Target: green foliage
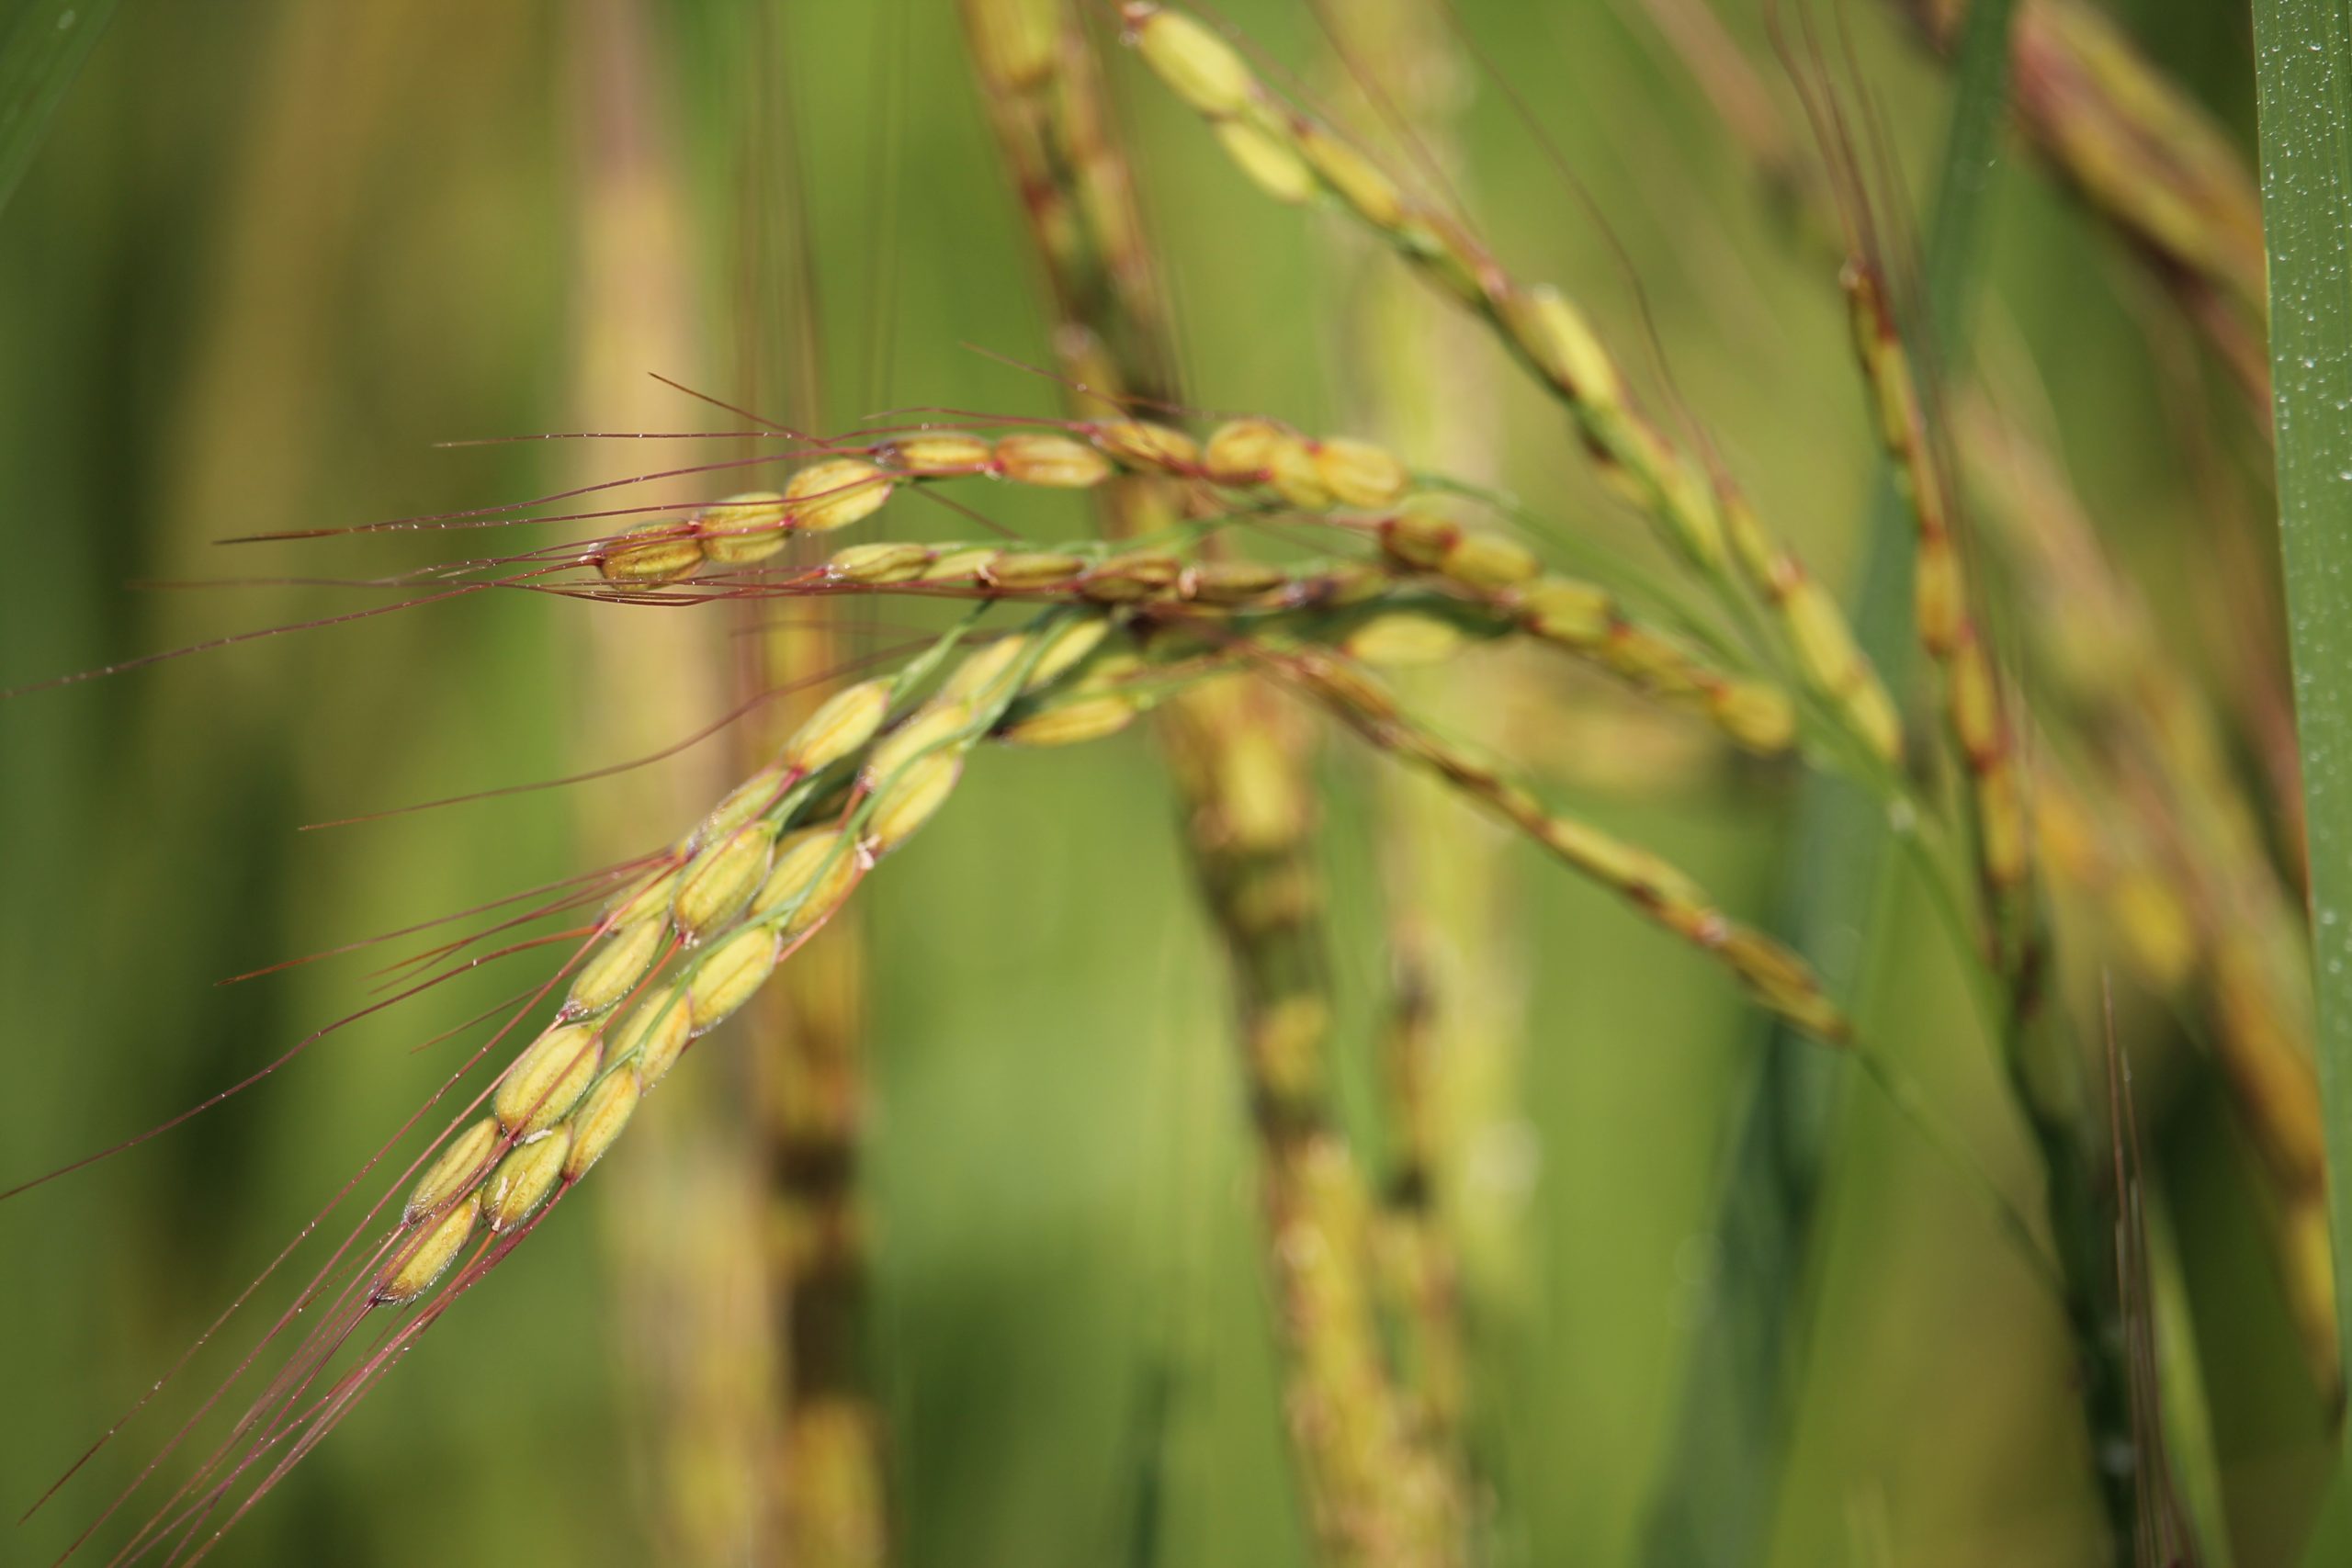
(41, 50)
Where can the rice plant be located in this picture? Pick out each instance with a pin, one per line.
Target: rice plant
(1272, 588)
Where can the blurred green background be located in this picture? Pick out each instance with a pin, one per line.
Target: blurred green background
(272, 251)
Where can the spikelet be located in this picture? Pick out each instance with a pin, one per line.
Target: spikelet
(719, 878)
(1296, 476)
(981, 673)
(871, 564)
(1065, 649)
(1241, 452)
(654, 1035)
(1230, 581)
(1199, 66)
(460, 1165)
(743, 528)
(844, 724)
(1051, 462)
(424, 1258)
(650, 895)
(1139, 444)
(524, 1180)
(1070, 723)
(601, 1120)
(1826, 649)
(1419, 537)
(1562, 610)
(1360, 473)
(835, 493)
(911, 799)
(930, 727)
(548, 1079)
(1758, 716)
(1403, 637)
(1270, 164)
(746, 801)
(1488, 561)
(1030, 568)
(1562, 344)
(1137, 575)
(651, 553)
(815, 870)
(941, 453)
(737, 966)
(615, 967)
(1357, 179)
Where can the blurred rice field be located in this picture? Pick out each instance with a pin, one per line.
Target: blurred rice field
(274, 252)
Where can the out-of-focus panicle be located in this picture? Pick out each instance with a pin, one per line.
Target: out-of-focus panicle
(2042, 1063)
(1691, 500)
(828, 1476)
(678, 1239)
(1975, 705)
(2147, 821)
(1043, 93)
(2133, 147)
(1375, 1495)
(2105, 860)
(2193, 885)
(827, 1472)
(2144, 155)
(1453, 1231)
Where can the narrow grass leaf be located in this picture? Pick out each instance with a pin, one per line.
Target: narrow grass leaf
(2303, 67)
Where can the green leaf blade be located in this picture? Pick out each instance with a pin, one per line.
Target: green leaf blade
(2303, 67)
